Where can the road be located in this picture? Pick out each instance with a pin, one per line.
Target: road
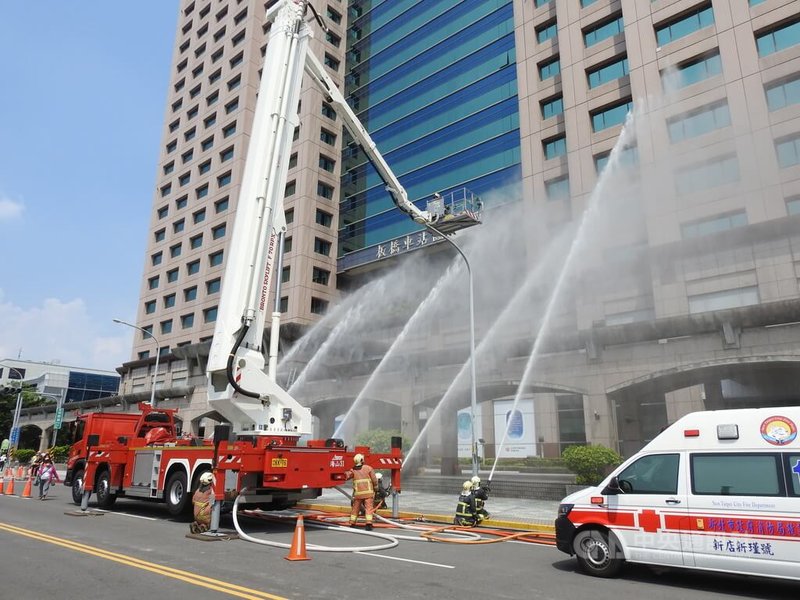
(138, 552)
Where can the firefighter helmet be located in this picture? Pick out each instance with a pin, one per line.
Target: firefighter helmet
(358, 460)
(476, 481)
(467, 486)
(206, 478)
(379, 476)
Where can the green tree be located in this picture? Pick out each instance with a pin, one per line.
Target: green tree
(379, 440)
(590, 463)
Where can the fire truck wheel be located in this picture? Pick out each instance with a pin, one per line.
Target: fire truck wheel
(77, 486)
(177, 494)
(105, 499)
(598, 553)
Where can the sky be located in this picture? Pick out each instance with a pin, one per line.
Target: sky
(82, 103)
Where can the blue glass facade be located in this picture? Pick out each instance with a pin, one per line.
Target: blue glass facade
(435, 84)
(90, 386)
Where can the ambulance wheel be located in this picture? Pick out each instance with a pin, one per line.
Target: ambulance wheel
(102, 489)
(177, 494)
(77, 486)
(598, 553)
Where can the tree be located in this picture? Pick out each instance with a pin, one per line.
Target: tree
(590, 463)
(379, 440)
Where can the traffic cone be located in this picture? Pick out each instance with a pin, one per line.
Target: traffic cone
(19, 472)
(26, 491)
(298, 549)
(10, 487)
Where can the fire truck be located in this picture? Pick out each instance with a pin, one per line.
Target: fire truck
(257, 453)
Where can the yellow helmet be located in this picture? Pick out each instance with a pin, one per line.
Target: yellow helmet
(358, 460)
(467, 486)
(476, 481)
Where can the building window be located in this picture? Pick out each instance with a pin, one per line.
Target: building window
(212, 98)
(152, 283)
(287, 245)
(290, 189)
(207, 143)
(213, 286)
(229, 130)
(171, 146)
(181, 202)
(325, 190)
(169, 300)
(210, 314)
(778, 38)
(609, 116)
(195, 92)
(788, 150)
(199, 216)
(166, 189)
(221, 205)
(196, 241)
(293, 160)
(691, 72)
(327, 111)
(286, 274)
(321, 247)
(226, 154)
(334, 15)
(220, 33)
(628, 156)
(745, 296)
(571, 421)
(178, 226)
(555, 147)
(549, 69)
(202, 191)
(327, 163)
(185, 179)
(538, 3)
(234, 83)
(150, 307)
(178, 87)
(172, 275)
(218, 231)
(783, 93)
(204, 167)
(187, 321)
(210, 120)
(601, 31)
(175, 251)
(696, 178)
(713, 225)
(163, 212)
(174, 125)
(552, 107)
(685, 24)
(224, 179)
(324, 218)
(187, 156)
(169, 167)
(289, 216)
(319, 306)
(332, 38)
(284, 306)
(160, 235)
(608, 72)
(190, 294)
(327, 136)
(215, 259)
(192, 113)
(558, 188)
(546, 31)
(155, 259)
(699, 122)
(231, 106)
(320, 276)
(331, 62)
(192, 268)
(237, 60)
(189, 135)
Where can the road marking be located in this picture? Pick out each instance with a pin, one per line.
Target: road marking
(124, 514)
(185, 576)
(419, 562)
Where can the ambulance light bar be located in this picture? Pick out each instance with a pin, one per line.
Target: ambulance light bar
(728, 432)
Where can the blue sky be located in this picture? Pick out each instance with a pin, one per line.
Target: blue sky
(81, 110)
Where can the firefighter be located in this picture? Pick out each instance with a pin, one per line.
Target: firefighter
(466, 513)
(364, 485)
(201, 502)
(481, 493)
(381, 493)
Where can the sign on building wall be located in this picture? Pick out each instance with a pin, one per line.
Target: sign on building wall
(520, 439)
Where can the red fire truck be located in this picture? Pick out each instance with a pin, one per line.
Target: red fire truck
(258, 451)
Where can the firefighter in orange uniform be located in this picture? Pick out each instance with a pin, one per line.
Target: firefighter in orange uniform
(201, 501)
(364, 485)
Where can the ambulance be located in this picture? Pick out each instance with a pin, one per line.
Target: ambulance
(716, 490)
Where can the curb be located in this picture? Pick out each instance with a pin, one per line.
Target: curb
(444, 519)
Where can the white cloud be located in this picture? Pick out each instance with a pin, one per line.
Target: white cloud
(60, 331)
(9, 209)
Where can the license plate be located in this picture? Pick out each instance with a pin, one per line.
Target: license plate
(280, 462)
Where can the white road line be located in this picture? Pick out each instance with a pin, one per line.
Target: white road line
(419, 562)
(122, 514)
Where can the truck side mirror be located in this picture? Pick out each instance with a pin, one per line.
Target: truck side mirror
(613, 487)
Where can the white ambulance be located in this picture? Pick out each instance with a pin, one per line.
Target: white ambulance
(716, 490)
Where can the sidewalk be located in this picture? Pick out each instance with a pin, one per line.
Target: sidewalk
(517, 513)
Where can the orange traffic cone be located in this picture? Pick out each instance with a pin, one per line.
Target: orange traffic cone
(10, 487)
(26, 491)
(20, 470)
(298, 549)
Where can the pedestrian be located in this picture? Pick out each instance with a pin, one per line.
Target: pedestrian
(466, 513)
(47, 474)
(35, 464)
(201, 502)
(364, 484)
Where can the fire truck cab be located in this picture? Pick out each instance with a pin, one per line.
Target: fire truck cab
(716, 490)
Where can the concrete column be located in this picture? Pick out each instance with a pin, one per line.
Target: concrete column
(449, 432)
(713, 395)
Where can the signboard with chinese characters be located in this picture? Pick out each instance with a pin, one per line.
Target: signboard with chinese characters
(395, 247)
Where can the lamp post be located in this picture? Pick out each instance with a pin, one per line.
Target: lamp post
(14, 440)
(473, 380)
(158, 354)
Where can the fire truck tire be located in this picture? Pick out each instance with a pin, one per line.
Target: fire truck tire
(105, 499)
(598, 553)
(177, 494)
(77, 486)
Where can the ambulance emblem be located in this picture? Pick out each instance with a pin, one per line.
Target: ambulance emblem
(778, 431)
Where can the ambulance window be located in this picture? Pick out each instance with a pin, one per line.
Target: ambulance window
(654, 474)
(793, 473)
(736, 474)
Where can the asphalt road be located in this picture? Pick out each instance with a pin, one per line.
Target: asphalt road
(138, 552)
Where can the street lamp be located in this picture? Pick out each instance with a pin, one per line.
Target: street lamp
(158, 354)
(14, 440)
